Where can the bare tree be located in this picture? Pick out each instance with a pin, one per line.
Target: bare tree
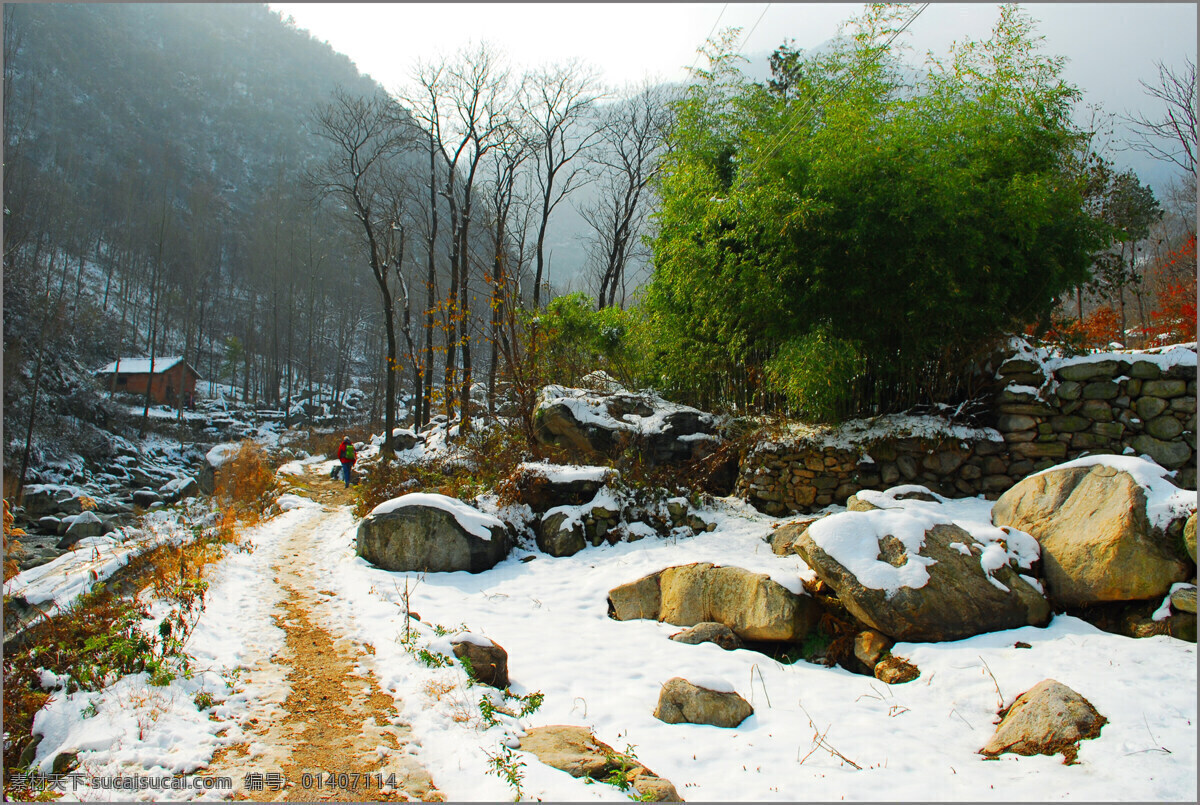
(557, 103)
(632, 137)
(1170, 137)
(464, 107)
(361, 176)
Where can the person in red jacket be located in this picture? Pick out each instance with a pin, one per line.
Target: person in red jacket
(347, 456)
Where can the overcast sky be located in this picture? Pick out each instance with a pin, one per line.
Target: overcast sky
(1109, 46)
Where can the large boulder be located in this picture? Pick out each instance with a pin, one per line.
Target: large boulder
(751, 604)
(701, 702)
(206, 478)
(544, 486)
(1047, 719)
(1099, 542)
(560, 534)
(576, 751)
(431, 533)
(600, 423)
(86, 524)
(913, 578)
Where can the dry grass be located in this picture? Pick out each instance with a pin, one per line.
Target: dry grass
(245, 481)
(11, 532)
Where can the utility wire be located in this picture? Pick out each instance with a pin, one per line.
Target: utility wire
(811, 107)
(699, 50)
(752, 30)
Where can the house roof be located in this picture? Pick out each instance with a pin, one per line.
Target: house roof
(141, 366)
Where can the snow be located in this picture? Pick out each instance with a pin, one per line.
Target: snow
(588, 408)
(471, 520)
(853, 539)
(1164, 501)
(914, 742)
(222, 453)
(713, 683)
(138, 366)
(567, 473)
(857, 434)
(54, 585)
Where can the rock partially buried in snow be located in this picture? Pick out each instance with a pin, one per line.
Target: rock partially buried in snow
(488, 660)
(709, 632)
(907, 575)
(1103, 526)
(751, 604)
(1047, 719)
(543, 486)
(577, 752)
(433, 533)
(684, 702)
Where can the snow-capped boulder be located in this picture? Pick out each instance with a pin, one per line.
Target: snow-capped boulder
(488, 660)
(911, 573)
(1108, 527)
(754, 606)
(213, 459)
(712, 702)
(591, 422)
(543, 486)
(179, 488)
(560, 534)
(577, 751)
(1047, 719)
(145, 497)
(85, 524)
(433, 533)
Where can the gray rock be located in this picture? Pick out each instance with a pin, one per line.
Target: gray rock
(1144, 370)
(430, 539)
(1101, 390)
(1164, 427)
(558, 534)
(145, 497)
(1172, 455)
(179, 488)
(1047, 719)
(1164, 388)
(1088, 371)
(681, 702)
(86, 524)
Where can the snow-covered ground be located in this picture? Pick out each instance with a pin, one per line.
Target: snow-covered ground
(915, 741)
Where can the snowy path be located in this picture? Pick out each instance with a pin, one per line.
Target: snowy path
(318, 708)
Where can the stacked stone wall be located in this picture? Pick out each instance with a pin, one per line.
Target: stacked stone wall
(1041, 416)
(1119, 404)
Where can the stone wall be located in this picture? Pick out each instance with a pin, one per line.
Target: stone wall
(807, 471)
(1115, 403)
(1045, 412)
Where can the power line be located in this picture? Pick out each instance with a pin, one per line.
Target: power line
(752, 30)
(699, 50)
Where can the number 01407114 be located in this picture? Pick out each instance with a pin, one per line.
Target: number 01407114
(347, 780)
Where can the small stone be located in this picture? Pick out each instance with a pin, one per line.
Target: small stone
(1088, 371)
(1184, 600)
(896, 670)
(869, 646)
(1069, 390)
(1168, 454)
(1069, 424)
(1144, 370)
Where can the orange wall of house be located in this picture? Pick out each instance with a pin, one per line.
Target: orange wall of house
(177, 377)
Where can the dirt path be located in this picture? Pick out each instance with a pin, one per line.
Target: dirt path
(325, 714)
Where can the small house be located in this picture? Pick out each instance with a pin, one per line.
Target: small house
(171, 380)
